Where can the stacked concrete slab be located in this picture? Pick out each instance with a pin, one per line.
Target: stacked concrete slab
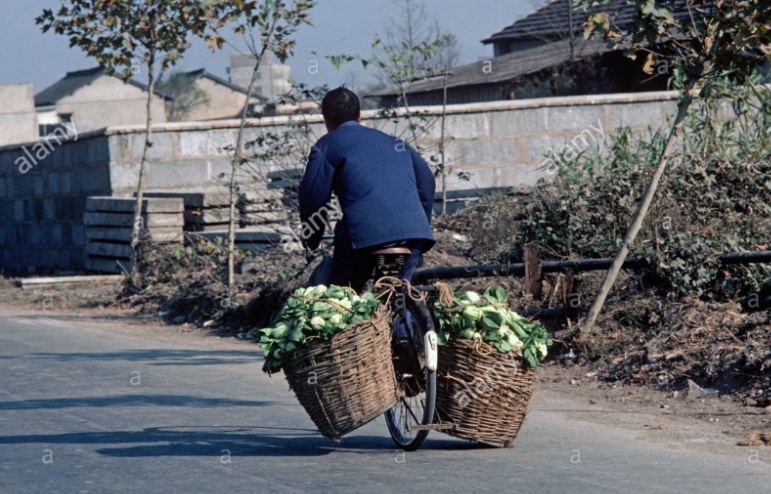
(210, 211)
(255, 239)
(108, 224)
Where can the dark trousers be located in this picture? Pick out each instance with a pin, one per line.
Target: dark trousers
(354, 267)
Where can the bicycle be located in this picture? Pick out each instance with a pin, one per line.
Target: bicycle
(414, 352)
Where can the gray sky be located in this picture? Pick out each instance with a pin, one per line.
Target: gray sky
(340, 26)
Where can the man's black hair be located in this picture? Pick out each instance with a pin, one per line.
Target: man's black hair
(340, 105)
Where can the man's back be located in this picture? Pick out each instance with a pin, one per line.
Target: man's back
(385, 188)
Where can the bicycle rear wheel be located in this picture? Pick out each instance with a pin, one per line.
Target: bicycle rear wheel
(416, 382)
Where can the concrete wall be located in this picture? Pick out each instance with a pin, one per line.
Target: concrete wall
(500, 144)
(108, 102)
(18, 120)
(506, 144)
(41, 211)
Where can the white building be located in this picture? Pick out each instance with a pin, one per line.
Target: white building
(18, 121)
(273, 79)
(92, 99)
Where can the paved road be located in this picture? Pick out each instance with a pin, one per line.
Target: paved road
(95, 410)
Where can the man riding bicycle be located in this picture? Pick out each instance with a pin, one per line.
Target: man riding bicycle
(385, 189)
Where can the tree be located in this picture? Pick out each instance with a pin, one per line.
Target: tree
(413, 30)
(128, 34)
(265, 28)
(572, 35)
(701, 43)
(185, 94)
(449, 55)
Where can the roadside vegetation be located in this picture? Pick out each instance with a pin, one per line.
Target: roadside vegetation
(707, 177)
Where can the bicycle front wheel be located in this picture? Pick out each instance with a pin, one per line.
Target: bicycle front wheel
(416, 382)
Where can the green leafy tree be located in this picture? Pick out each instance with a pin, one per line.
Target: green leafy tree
(125, 35)
(701, 42)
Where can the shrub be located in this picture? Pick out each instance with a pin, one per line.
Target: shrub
(713, 200)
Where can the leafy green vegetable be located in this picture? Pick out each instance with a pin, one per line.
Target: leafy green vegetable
(312, 314)
(488, 318)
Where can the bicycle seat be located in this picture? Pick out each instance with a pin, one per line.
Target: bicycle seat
(392, 250)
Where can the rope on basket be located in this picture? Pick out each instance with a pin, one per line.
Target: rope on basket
(482, 349)
(446, 296)
(390, 284)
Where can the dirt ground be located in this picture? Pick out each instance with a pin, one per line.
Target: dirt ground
(711, 422)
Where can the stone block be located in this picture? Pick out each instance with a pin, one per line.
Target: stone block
(653, 114)
(63, 157)
(569, 118)
(514, 122)
(101, 149)
(70, 208)
(480, 178)
(487, 152)
(8, 212)
(78, 235)
(33, 210)
(117, 147)
(37, 185)
(218, 167)
(520, 175)
(6, 163)
(49, 209)
(160, 149)
(127, 205)
(461, 126)
(18, 210)
(124, 177)
(54, 184)
(34, 235)
(8, 234)
(206, 142)
(539, 147)
(95, 180)
(170, 174)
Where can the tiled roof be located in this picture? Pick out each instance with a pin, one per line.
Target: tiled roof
(74, 81)
(553, 20)
(549, 25)
(506, 67)
(196, 74)
(67, 86)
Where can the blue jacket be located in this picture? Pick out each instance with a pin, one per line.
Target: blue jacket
(385, 189)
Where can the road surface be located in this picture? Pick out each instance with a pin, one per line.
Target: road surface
(87, 408)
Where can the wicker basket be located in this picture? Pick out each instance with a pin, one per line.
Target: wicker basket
(348, 381)
(484, 392)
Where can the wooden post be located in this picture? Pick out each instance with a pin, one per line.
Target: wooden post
(533, 280)
(568, 282)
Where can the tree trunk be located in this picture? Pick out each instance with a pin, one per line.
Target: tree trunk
(442, 144)
(233, 169)
(137, 227)
(587, 326)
